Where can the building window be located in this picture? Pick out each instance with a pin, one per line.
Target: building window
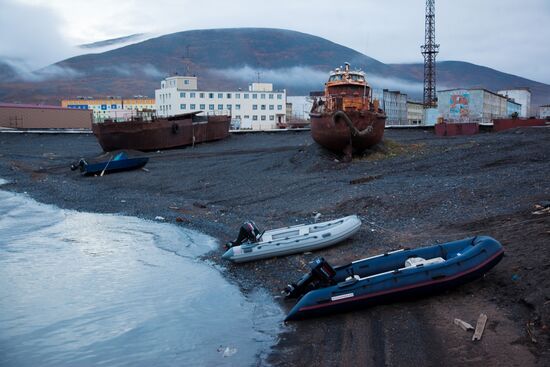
(254, 96)
(202, 107)
(220, 107)
(280, 107)
(237, 95)
(237, 106)
(211, 107)
(201, 95)
(271, 107)
(186, 81)
(182, 94)
(262, 96)
(182, 106)
(210, 95)
(192, 94)
(271, 117)
(279, 96)
(220, 95)
(246, 116)
(113, 106)
(255, 117)
(263, 107)
(270, 96)
(192, 106)
(254, 106)
(238, 117)
(228, 107)
(228, 95)
(246, 96)
(263, 117)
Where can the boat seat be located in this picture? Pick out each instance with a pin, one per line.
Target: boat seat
(416, 261)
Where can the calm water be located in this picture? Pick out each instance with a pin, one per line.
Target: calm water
(81, 289)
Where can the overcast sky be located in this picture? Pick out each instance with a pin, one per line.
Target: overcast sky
(507, 35)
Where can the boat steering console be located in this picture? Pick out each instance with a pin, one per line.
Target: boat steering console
(321, 275)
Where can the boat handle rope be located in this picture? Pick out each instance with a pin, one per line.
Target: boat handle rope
(354, 131)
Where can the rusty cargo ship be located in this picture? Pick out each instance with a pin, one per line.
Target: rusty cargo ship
(346, 119)
(156, 133)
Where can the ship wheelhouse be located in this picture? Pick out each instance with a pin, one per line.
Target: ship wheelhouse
(347, 90)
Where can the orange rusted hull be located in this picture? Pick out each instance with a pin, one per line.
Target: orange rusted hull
(336, 136)
(163, 133)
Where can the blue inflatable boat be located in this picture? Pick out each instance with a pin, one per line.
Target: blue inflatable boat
(118, 163)
(391, 276)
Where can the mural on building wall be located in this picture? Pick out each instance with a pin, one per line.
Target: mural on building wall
(459, 105)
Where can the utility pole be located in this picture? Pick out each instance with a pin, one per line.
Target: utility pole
(429, 51)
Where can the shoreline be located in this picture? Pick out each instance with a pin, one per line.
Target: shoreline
(414, 190)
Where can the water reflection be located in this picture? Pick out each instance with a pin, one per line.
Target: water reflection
(87, 289)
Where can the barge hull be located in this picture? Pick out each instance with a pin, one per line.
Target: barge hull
(160, 134)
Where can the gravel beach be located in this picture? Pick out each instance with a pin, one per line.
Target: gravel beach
(414, 189)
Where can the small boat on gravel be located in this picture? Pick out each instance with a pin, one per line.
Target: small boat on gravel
(391, 276)
(119, 162)
(254, 245)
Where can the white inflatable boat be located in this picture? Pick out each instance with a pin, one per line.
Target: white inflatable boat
(295, 239)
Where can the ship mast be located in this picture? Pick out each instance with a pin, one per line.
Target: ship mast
(429, 51)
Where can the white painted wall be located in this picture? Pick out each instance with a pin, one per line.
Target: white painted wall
(257, 110)
(521, 96)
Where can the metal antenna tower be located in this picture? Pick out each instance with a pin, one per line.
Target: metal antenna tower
(187, 61)
(429, 50)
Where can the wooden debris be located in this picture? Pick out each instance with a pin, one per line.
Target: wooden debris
(364, 179)
(530, 332)
(463, 325)
(480, 326)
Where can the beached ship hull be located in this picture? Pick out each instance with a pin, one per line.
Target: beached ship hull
(334, 134)
(161, 133)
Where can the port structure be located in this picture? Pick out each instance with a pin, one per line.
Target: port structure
(429, 50)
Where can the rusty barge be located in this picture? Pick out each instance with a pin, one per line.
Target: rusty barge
(156, 133)
(346, 119)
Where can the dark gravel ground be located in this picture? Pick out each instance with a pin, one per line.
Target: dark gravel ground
(412, 190)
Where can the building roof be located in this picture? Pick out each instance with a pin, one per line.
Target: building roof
(36, 106)
(482, 89)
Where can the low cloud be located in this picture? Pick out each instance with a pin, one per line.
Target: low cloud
(296, 76)
(25, 72)
(405, 86)
(152, 71)
(307, 77)
(31, 33)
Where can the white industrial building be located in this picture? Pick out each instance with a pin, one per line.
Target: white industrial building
(415, 113)
(521, 96)
(544, 111)
(474, 105)
(394, 104)
(258, 108)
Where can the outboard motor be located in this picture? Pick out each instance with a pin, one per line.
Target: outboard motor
(321, 275)
(81, 163)
(249, 232)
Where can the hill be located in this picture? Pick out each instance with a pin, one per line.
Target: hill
(230, 58)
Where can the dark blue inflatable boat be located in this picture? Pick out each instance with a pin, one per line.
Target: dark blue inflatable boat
(119, 162)
(391, 276)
